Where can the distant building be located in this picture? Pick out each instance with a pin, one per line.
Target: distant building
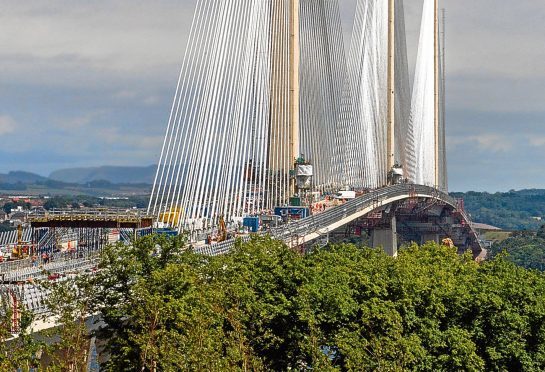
(17, 218)
(37, 202)
(484, 227)
(37, 210)
(3, 216)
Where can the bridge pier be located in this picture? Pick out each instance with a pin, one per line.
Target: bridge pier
(386, 238)
(430, 238)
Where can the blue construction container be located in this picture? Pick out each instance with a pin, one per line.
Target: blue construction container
(294, 213)
(252, 223)
(167, 232)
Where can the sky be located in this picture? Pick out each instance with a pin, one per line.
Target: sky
(89, 83)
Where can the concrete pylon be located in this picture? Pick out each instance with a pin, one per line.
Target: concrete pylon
(295, 60)
(284, 80)
(386, 238)
(391, 86)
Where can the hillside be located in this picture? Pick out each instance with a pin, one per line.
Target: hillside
(23, 183)
(15, 177)
(113, 174)
(523, 249)
(513, 210)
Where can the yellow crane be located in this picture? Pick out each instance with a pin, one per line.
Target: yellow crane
(19, 249)
(222, 230)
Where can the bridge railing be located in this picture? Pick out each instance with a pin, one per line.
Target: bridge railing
(96, 212)
(329, 217)
(43, 271)
(319, 222)
(316, 223)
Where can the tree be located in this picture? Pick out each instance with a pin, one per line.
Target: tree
(70, 302)
(541, 232)
(7, 207)
(514, 210)
(342, 307)
(10, 206)
(53, 203)
(523, 250)
(19, 350)
(6, 226)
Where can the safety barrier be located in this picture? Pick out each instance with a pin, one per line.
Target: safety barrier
(329, 217)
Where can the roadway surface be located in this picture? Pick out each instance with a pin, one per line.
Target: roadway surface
(293, 234)
(318, 225)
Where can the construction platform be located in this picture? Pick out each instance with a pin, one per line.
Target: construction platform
(109, 219)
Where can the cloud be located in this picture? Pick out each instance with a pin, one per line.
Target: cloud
(493, 142)
(484, 142)
(114, 136)
(151, 100)
(79, 122)
(137, 96)
(125, 95)
(537, 141)
(110, 41)
(7, 125)
(94, 81)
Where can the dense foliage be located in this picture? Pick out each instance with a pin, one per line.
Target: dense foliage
(266, 307)
(9, 206)
(13, 186)
(62, 348)
(18, 353)
(525, 249)
(513, 210)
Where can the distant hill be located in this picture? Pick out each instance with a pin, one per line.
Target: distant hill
(513, 210)
(16, 177)
(113, 174)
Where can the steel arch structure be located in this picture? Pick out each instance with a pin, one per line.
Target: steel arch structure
(309, 229)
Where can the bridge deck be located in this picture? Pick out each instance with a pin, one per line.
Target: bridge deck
(92, 220)
(293, 234)
(313, 227)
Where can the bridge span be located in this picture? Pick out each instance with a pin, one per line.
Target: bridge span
(276, 111)
(391, 214)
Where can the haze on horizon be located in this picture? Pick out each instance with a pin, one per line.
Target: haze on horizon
(91, 83)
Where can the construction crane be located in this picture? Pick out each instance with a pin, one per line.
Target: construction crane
(222, 230)
(21, 249)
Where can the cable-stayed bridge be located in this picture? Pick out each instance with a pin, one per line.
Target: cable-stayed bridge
(269, 106)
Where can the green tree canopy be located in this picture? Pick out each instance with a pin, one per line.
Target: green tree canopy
(513, 210)
(265, 307)
(526, 250)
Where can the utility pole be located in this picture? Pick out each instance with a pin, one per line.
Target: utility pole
(391, 86)
(294, 87)
(436, 90)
